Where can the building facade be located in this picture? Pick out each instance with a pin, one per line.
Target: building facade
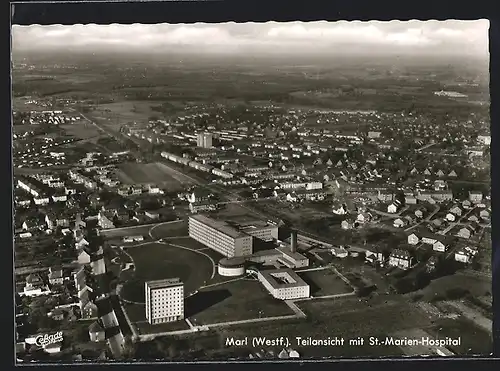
(164, 301)
(284, 284)
(204, 140)
(219, 236)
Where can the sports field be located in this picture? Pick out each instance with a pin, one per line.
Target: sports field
(154, 173)
(157, 261)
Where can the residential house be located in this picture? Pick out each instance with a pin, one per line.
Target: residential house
(451, 217)
(400, 258)
(33, 282)
(463, 256)
(420, 212)
(373, 255)
(452, 174)
(456, 210)
(83, 257)
(394, 207)
(88, 308)
(473, 218)
(207, 205)
(475, 197)
(440, 245)
(385, 196)
(348, 224)
(484, 214)
(56, 276)
(364, 217)
(105, 221)
(413, 239)
(339, 252)
(466, 204)
(400, 223)
(342, 210)
(428, 238)
(410, 200)
(97, 332)
(465, 232)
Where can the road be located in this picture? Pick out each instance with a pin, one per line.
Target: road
(458, 222)
(389, 215)
(426, 146)
(427, 219)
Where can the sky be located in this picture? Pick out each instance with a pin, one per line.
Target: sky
(433, 37)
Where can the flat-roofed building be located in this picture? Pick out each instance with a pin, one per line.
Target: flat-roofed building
(219, 236)
(262, 230)
(290, 258)
(164, 300)
(284, 284)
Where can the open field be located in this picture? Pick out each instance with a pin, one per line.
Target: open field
(134, 173)
(170, 229)
(82, 130)
(127, 110)
(159, 261)
(190, 243)
(233, 210)
(473, 340)
(438, 288)
(325, 282)
(234, 301)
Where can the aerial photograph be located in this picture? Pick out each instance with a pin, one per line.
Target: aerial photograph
(272, 191)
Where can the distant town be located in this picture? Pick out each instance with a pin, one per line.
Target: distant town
(158, 220)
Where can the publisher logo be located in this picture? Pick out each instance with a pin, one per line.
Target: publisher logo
(44, 340)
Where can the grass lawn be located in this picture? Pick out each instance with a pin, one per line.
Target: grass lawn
(234, 301)
(473, 340)
(170, 230)
(158, 261)
(325, 282)
(355, 317)
(477, 286)
(189, 243)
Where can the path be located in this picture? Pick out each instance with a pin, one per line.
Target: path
(161, 224)
(427, 219)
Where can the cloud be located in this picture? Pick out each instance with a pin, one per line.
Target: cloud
(432, 35)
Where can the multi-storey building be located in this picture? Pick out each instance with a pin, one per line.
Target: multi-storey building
(284, 284)
(204, 140)
(164, 300)
(219, 236)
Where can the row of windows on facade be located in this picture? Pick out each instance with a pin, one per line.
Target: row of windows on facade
(209, 231)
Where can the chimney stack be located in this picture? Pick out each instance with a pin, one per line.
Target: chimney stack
(293, 241)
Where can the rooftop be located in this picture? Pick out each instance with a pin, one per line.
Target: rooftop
(219, 225)
(282, 278)
(285, 250)
(163, 283)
